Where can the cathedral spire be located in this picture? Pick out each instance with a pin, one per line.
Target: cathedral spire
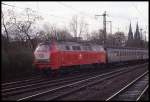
(137, 33)
(130, 34)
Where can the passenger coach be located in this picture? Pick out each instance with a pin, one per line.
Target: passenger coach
(115, 54)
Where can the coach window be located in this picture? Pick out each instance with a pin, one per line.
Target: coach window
(120, 53)
(117, 53)
(87, 48)
(76, 48)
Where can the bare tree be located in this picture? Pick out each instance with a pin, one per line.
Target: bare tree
(111, 40)
(78, 26)
(97, 36)
(24, 26)
(74, 25)
(4, 25)
(119, 39)
(7, 21)
(53, 32)
(64, 34)
(83, 27)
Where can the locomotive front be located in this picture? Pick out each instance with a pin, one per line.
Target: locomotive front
(42, 56)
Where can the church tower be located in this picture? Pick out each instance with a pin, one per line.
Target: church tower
(137, 33)
(130, 34)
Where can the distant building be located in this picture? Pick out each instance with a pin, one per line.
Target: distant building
(130, 34)
(137, 37)
(136, 40)
(130, 37)
(137, 33)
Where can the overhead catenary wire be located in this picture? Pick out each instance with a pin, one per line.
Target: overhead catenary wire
(138, 11)
(80, 12)
(37, 11)
(64, 19)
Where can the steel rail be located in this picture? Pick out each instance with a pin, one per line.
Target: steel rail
(89, 84)
(45, 84)
(142, 93)
(131, 83)
(78, 82)
(20, 81)
(14, 88)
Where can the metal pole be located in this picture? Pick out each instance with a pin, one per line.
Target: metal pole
(141, 33)
(104, 26)
(110, 26)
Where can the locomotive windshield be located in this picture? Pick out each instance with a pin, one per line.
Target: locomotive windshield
(42, 48)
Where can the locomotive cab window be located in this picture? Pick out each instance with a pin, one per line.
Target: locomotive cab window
(42, 47)
(76, 48)
(67, 47)
(87, 48)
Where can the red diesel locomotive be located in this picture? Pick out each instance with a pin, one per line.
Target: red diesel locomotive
(55, 55)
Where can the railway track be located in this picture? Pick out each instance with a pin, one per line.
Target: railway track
(19, 87)
(62, 94)
(59, 84)
(36, 79)
(39, 78)
(42, 84)
(22, 82)
(133, 91)
(64, 90)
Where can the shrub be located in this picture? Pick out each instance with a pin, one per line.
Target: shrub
(16, 63)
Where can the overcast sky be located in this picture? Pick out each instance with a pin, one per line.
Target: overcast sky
(120, 13)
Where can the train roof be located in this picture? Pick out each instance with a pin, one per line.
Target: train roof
(89, 44)
(69, 42)
(126, 48)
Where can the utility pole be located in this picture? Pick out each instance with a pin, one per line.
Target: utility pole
(145, 36)
(141, 40)
(110, 26)
(104, 25)
(141, 33)
(144, 39)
